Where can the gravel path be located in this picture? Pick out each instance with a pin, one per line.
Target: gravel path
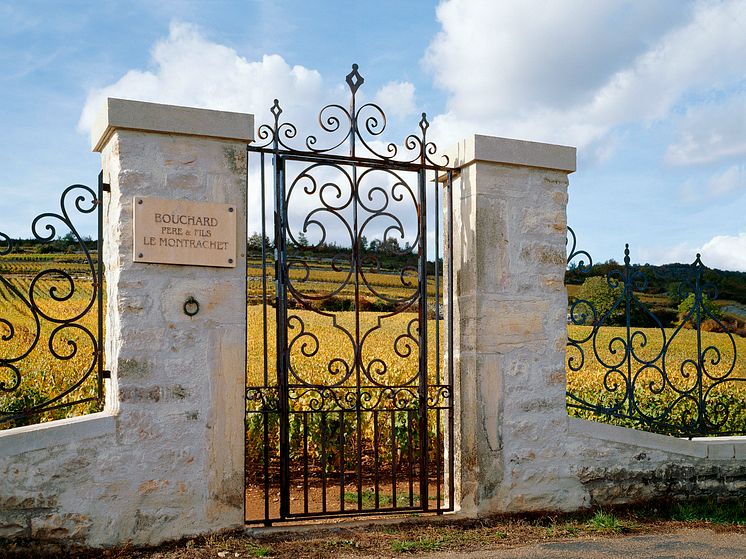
(682, 544)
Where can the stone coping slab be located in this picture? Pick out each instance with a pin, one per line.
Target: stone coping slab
(63, 431)
(491, 149)
(714, 448)
(125, 114)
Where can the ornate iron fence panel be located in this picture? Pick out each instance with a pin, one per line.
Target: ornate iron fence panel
(683, 375)
(349, 394)
(51, 315)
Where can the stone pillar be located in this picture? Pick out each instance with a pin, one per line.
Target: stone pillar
(509, 331)
(177, 381)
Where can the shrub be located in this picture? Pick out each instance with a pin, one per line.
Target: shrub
(601, 296)
(708, 311)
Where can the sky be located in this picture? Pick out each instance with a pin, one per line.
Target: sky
(652, 93)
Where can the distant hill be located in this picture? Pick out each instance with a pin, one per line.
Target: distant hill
(666, 278)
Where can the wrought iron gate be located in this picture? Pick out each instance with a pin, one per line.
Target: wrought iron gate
(52, 314)
(349, 379)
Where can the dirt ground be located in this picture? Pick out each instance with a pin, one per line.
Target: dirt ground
(439, 536)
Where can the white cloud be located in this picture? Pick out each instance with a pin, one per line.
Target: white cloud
(730, 180)
(725, 252)
(190, 70)
(710, 132)
(397, 99)
(726, 182)
(569, 72)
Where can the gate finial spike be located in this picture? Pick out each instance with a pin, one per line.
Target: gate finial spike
(354, 79)
(276, 110)
(424, 124)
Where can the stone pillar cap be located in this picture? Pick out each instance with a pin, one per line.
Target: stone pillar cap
(492, 149)
(124, 114)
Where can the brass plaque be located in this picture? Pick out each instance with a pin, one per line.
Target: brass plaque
(183, 232)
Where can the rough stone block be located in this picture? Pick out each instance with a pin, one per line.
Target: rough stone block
(67, 526)
(503, 322)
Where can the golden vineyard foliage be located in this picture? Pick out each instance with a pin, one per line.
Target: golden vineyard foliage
(724, 360)
(335, 334)
(389, 351)
(323, 280)
(44, 375)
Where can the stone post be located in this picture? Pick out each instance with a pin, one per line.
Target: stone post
(509, 331)
(177, 381)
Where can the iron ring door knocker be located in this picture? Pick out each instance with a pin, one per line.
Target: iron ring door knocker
(191, 306)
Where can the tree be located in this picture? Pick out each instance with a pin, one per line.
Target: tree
(254, 242)
(674, 291)
(302, 240)
(390, 244)
(601, 296)
(708, 310)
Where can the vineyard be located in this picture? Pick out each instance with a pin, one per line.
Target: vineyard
(44, 374)
(53, 359)
(607, 373)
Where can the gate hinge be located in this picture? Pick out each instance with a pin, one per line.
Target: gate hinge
(103, 186)
(105, 374)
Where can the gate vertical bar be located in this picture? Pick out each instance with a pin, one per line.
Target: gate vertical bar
(281, 339)
(436, 259)
(421, 180)
(265, 357)
(451, 396)
(356, 263)
(99, 287)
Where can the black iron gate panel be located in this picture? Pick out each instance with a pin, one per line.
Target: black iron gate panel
(349, 389)
(52, 314)
(632, 362)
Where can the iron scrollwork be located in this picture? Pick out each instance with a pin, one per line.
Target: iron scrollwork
(355, 126)
(365, 193)
(352, 281)
(51, 320)
(674, 379)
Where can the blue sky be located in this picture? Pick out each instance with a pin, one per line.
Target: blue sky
(652, 93)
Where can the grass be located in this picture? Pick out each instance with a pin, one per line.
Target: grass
(258, 550)
(565, 529)
(384, 499)
(420, 545)
(710, 510)
(606, 523)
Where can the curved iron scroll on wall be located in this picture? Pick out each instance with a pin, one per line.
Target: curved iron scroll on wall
(51, 316)
(628, 365)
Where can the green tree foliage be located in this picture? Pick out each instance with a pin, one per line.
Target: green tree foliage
(709, 309)
(597, 292)
(674, 291)
(254, 243)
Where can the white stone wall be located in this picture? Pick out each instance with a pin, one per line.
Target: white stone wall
(519, 449)
(165, 459)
